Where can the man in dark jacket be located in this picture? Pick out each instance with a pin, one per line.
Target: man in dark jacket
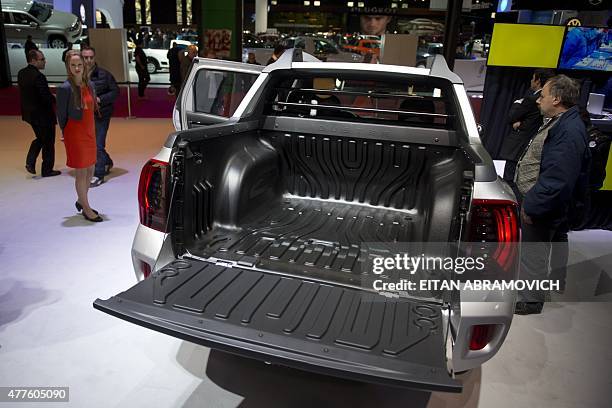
(552, 171)
(174, 63)
(525, 118)
(37, 109)
(106, 92)
(140, 58)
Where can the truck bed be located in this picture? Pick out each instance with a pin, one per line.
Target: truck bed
(305, 205)
(308, 236)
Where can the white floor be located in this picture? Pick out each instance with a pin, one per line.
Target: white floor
(53, 264)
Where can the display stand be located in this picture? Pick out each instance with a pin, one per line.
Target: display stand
(112, 54)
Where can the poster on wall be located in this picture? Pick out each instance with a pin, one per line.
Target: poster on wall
(218, 41)
(84, 9)
(372, 21)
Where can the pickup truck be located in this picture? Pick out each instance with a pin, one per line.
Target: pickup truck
(255, 213)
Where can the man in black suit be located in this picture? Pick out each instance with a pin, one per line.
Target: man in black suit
(37, 109)
(525, 119)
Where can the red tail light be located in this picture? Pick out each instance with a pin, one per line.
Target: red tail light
(152, 195)
(145, 268)
(496, 221)
(481, 336)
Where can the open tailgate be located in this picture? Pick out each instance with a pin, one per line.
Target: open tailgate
(319, 327)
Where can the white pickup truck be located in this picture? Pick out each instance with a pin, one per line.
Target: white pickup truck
(255, 216)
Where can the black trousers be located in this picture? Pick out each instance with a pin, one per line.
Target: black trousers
(45, 141)
(102, 158)
(542, 247)
(509, 170)
(143, 80)
(559, 254)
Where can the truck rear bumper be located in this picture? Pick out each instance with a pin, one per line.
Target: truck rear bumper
(475, 309)
(151, 247)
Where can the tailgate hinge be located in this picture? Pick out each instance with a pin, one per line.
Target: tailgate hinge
(223, 262)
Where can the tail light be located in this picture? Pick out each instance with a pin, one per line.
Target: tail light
(145, 268)
(152, 195)
(481, 336)
(496, 221)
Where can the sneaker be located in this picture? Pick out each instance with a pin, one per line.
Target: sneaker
(527, 308)
(561, 289)
(96, 181)
(52, 173)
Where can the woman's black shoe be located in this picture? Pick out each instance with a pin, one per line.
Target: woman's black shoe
(79, 207)
(97, 219)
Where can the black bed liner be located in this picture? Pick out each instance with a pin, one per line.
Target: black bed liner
(301, 323)
(315, 238)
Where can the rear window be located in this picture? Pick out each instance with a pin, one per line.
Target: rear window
(220, 92)
(405, 100)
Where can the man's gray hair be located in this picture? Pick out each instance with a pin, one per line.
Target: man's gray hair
(564, 88)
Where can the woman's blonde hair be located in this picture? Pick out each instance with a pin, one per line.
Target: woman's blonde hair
(76, 90)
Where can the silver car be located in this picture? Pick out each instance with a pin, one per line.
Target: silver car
(322, 48)
(45, 25)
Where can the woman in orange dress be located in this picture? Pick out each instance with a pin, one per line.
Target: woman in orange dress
(76, 103)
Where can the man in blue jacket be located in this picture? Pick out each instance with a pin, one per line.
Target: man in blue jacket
(551, 174)
(107, 92)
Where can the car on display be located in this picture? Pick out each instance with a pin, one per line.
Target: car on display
(252, 41)
(321, 48)
(157, 58)
(45, 25)
(257, 215)
(421, 27)
(190, 37)
(364, 46)
(269, 39)
(426, 51)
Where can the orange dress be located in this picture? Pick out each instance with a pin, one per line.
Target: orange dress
(80, 135)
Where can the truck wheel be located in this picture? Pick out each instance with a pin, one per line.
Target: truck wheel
(57, 42)
(152, 65)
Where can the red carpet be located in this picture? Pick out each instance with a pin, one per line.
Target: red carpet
(158, 104)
